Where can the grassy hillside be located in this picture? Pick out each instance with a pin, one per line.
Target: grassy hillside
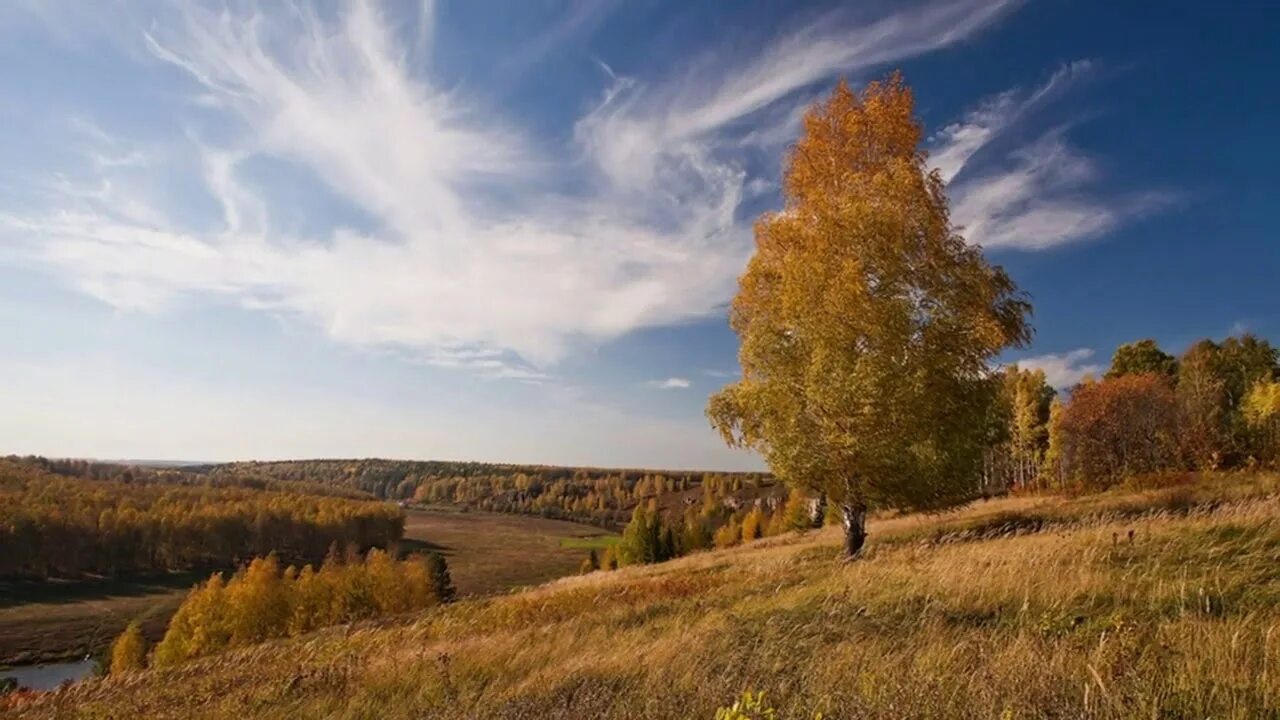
(1010, 608)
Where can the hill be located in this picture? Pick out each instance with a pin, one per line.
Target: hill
(1132, 603)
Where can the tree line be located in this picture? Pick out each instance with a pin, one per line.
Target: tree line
(262, 601)
(57, 526)
(653, 535)
(597, 496)
(1214, 407)
(183, 475)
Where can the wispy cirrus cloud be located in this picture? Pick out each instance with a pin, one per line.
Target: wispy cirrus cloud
(671, 383)
(464, 255)
(1066, 369)
(640, 126)
(1031, 195)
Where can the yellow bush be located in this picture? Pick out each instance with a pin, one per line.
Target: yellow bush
(129, 651)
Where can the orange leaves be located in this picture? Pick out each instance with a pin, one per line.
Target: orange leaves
(850, 138)
(1119, 427)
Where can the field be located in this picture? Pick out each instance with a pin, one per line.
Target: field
(490, 553)
(1138, 603)
(487, 553)
(47, 621)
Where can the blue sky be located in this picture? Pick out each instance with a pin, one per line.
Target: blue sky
(508, 231)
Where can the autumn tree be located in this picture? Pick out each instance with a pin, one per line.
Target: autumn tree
(1142, 357)
(646, 539)
(1246, 360)
(1261, 410)
(753, 525)
(797, 513)
(129, 651)
(1262, 402)
(610, 559)
(256, 602)
(1118, 428)
(1054, 445)
(200, 625)
(590, 563)
(868, 326)
(729, 534)
(1204, 406)
(1025, 400)
(696, 534)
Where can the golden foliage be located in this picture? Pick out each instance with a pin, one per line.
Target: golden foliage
(261, 602)
(129, 651)
(729, 534)
(1262, 403)
(64, 526)
(867, 324)
(753, 525)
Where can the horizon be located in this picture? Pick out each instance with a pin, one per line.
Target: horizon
(177, 463)
(381, 231)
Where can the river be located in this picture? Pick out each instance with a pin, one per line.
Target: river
(49, 675)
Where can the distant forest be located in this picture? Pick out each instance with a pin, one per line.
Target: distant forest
(604, 497)
(93, 518)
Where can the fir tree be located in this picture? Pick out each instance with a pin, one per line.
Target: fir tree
(441, 583)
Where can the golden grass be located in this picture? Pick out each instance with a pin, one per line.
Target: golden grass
(1058, 614)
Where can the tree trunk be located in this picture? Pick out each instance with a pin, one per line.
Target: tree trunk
(818, 511)
(854, 518)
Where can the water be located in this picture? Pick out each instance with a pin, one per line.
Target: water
(50, 675)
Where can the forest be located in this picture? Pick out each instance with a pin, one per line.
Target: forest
(597, 496)
(66, 527)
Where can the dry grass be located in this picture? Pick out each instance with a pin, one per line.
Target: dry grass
(491, 553)
(1070, 620)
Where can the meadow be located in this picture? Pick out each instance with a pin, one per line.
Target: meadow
(491, 553)
(1137, 602)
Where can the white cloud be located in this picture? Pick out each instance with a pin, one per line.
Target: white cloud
(639, 127)
(1064, 370)
(1036, 196)
(955, 144)
(1040, 200)
(470, 258)
(671, 383)
(721, 374)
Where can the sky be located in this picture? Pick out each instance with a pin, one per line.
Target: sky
(509, 231)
